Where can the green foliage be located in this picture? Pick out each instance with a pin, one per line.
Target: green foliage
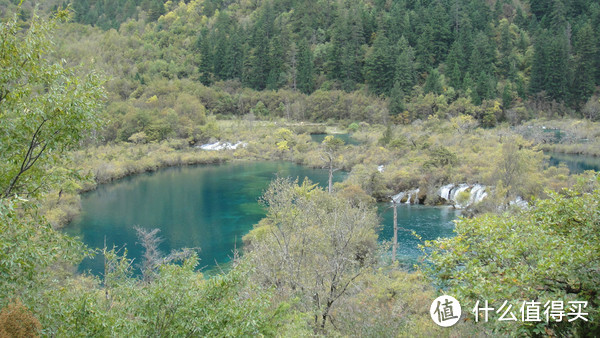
(29, 250)
(546, 253)
(441, 157)
(45, 108)
(353, 126)
(379, 66)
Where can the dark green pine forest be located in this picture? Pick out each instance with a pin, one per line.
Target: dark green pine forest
(507, 50)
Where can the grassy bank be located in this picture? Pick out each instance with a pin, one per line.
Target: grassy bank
(426, 155)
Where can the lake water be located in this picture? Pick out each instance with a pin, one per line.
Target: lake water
(576, 163)
(212, 207)
(428, 222)
(344, 137)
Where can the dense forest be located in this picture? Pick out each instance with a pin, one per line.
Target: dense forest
(505, 50)
(437, 92)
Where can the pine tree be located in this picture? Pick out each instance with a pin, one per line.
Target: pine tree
(540, 8)
(585, 53)
(557, 69)
(539, 71)
(276, 62)
(234, 57)
(455, 64)
(220, 56)
(379, 66)
(206, 61)
(157, 9)
(482, 56)
(396, 102)
(406, 70)
(305, 68)
(259, 67)
(433, 83)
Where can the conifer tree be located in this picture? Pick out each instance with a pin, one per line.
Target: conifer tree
(305, 81)
(406, 70)
(396, 102)
(433, 83)
(379, 66)
(585, 53)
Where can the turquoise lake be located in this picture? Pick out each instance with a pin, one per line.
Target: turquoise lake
(212, 207)
(576, 163)
(344, 137)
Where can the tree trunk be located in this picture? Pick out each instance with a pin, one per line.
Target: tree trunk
(395, 243)
(330, 176)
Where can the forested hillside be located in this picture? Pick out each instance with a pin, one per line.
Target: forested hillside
(505, 49)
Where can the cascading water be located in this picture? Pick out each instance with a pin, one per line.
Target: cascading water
(451, 192)
(455, 193)
(477, 194)
(407, 197)
(445, 191)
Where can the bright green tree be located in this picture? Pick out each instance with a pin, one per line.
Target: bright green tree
(45, 107)
(548, 252)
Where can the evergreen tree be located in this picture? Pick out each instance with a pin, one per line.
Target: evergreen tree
(484, 88)
(433, 83)
(539, 71)
(455, 64)
(379, 66)
(406, 70)
(157, 8)
(259, 66)
(482, 56)
(585, 54)
(220, 56)
(276, 63)
(396, 101)
(507, 58)
(206, 61)
(539, 8)
(352, 52)
(305, 82)
(557, 69)
(234, 57)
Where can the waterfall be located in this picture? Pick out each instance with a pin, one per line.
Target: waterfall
(445, 191)
(450, 193)
(477, 194)
(398, 198)
(454, 193)
(412, 196)
(520, 202)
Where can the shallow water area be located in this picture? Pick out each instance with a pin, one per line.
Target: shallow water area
(347, 138)
(576, 163)
(211, 207)
(427, 222)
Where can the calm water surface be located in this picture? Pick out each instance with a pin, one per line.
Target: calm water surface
(576, 163)
(211, 207)
(344, 137)
(427, 222)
